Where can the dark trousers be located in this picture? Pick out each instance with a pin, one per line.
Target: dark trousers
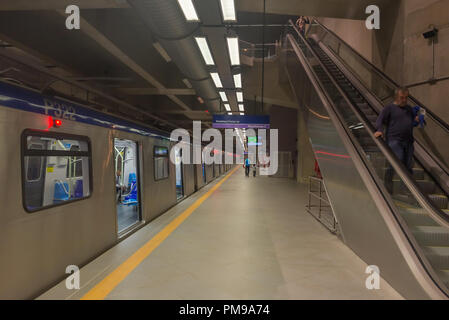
(247, 171)
(404, 151)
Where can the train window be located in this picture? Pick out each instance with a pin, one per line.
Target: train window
(161, 163)
(56, 169)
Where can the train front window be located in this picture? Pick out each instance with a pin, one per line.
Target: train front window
(56, 169)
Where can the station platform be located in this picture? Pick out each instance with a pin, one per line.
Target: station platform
(237, 238)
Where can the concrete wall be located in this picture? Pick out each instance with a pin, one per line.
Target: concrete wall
(418, 60)
(400, 50)
(285, 120)
(354, 33)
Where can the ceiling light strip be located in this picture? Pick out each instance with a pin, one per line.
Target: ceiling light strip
(223, 96)
(234, 51)
(216, 78)
(189, 10)
(238, 81)
(239, 96)
(205, 51)
(228, 10)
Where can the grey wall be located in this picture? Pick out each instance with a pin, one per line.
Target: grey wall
(400, 50)
(285, 120)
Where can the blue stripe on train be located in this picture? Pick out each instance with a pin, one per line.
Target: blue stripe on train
(23, 99)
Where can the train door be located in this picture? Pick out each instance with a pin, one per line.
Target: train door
(179, 174)
(127, 184)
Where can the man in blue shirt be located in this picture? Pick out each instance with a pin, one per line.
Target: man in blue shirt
(399, 120)
(247, 166)
(396, 123)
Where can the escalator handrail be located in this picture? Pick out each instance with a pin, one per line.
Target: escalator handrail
(427, 268)
(436, 214)
(437, 119)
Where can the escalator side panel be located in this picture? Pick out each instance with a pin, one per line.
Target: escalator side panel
(362, 224)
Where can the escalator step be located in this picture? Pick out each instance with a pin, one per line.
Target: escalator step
(426, 186)
(368, 141)
(372, 118)
(405, 198)
(440, 201)
(431, 236)
(418, 173)
(438, 256)
(370, 112)
(417, 217)
(399, 187)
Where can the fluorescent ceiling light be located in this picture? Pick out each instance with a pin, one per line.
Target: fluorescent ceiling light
(227, 107)
(241, 107)
(238, 81)
(223, 96)
(228, 10)
(189, 10)
(162, 51)
(205, 51)
(230, 113)
(234, 51)
(215, 76)
(242, 114)
(239, 96)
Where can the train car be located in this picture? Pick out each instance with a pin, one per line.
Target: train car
(75, 182)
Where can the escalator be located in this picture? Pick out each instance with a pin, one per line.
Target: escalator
(391, 218)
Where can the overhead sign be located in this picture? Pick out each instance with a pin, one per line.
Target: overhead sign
(241, 122)
(254, 141)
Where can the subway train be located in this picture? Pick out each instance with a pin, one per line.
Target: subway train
(75, 182)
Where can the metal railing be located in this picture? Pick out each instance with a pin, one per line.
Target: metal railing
(321, 209)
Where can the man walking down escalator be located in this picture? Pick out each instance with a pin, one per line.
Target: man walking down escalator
(395, 123)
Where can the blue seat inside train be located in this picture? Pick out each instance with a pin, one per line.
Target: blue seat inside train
(131, 198)
(78, 189)
(60, 193)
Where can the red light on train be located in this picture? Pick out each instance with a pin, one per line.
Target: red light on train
(57, 123)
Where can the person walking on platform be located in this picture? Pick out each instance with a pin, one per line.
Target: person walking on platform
(254, 170)
(395, 123)
(247, 166)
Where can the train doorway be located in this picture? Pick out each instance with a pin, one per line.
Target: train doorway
(179, 174)
(127, 184)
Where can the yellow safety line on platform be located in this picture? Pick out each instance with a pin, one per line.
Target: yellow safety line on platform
(105, 286)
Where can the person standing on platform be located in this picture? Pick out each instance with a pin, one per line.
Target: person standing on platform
(247, 166)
